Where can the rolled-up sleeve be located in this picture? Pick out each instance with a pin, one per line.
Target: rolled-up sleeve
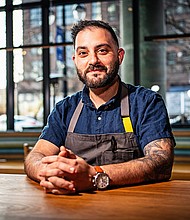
(150, 117)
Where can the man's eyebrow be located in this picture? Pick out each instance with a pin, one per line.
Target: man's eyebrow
(81, 48)
(103, 45)
(97, 47)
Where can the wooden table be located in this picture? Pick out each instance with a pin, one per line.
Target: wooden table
(21, 198)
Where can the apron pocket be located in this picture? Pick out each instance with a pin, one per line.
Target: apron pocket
(119, 156)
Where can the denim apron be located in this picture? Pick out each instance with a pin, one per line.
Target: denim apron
(101, 149)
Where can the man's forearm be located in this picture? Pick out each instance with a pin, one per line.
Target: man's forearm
(33, 164)
(156, 165)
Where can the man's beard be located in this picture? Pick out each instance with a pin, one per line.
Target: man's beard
(101, 82)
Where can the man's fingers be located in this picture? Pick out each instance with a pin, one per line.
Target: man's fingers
(60, 192)
(66, 153)
(50, 159)
(61, 183)
(56, 169)
(51, 172)
(64, 164)
(58, 158)
(58, 183)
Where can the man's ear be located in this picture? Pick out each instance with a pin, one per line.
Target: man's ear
(121, 54)
(73, 57)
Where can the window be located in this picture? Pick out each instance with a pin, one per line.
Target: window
(178, 62)
(35, 18)
(2, 3)
(30, 60)
(112, 12)
(96, 11)
(3, 80)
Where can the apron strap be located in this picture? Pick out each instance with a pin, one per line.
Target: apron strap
(125, 109)
(124, 101)
(75, 116)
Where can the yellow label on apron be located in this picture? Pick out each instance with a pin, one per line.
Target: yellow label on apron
(127, 124)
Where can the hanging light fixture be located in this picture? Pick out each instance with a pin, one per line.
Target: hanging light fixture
(79, 12)
(155, 88)
(51, 13)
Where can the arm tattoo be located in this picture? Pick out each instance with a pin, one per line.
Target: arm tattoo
(158, 159)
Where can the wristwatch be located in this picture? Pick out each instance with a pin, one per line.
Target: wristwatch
(100, 179)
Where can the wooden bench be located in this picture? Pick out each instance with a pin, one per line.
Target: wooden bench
(12, 166)
(12, 150)
(182, 149)
(11, 143)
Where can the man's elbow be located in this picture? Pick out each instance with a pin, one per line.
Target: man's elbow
(164, 172)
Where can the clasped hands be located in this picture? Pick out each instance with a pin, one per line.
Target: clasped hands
(66, 173)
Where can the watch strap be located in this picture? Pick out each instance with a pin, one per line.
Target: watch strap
(99, 169)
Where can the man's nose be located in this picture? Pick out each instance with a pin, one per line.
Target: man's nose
(93, 58)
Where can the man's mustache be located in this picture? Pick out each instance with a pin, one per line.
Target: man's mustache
(95, 67)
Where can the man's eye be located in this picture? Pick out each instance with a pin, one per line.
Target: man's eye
(82, 53)
(102, 51)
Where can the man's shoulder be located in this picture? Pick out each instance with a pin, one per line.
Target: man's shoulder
(70, 100)
(140, 90)
(141, 96)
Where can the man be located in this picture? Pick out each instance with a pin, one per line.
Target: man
(108, 135)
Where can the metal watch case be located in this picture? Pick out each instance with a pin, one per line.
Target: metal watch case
(101, 180)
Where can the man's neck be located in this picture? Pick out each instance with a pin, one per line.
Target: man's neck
(100, 96)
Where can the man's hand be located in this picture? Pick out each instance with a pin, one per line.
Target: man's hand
(66, 173)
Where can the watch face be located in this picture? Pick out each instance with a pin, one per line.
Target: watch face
(101, 180)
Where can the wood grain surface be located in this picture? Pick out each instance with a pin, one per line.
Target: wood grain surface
(21, 198)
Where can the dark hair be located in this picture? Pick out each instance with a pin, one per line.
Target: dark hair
(82, 24)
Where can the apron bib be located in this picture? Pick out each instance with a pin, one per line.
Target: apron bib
(101, 149)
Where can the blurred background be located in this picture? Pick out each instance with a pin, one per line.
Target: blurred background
(36, 69)
(36, 49)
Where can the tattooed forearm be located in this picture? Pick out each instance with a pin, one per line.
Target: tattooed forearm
(158, 159)
(156, 165)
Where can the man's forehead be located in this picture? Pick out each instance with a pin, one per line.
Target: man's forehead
(83, 38)
(93, 29)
